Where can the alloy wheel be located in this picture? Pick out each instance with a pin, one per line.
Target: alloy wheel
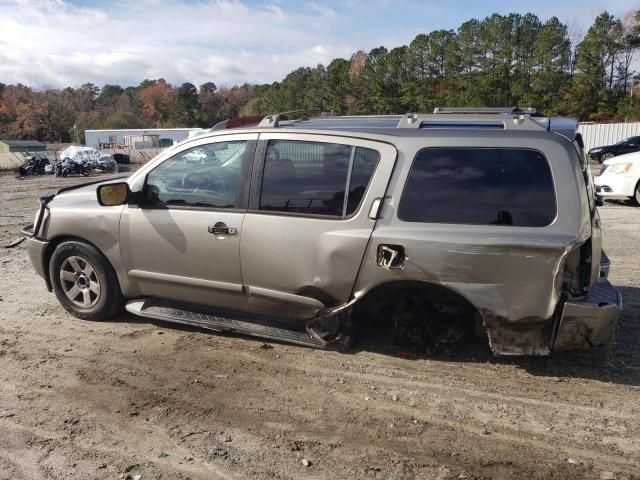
(79, 281)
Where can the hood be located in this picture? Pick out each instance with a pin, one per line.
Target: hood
(84, 194)
(629, 157)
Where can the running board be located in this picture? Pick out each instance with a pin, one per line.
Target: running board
(159, 310)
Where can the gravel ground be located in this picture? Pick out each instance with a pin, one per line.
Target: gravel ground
(132, 397)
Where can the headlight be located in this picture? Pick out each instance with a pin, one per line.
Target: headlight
(595, 150)
(620, 167)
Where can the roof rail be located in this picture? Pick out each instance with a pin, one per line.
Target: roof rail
(237, 122)
(487, 110)
(274, 120)
(511, 118)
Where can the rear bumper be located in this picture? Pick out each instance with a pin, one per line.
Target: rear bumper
(590, 321)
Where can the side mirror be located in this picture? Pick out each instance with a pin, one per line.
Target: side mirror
(113, 194)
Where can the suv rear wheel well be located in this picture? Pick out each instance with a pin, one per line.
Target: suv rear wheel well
(417, 315)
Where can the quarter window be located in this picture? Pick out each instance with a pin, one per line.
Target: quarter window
(203, 176)
(483, 186)
(315, 178)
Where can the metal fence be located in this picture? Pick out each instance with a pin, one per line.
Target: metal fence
(598, 134)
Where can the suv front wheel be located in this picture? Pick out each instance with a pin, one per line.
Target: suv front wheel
(84, 281)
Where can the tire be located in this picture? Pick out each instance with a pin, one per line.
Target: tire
(86, 171)
(636, 195)
(84, 281)
(606, 156)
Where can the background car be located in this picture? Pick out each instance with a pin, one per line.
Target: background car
(619, 178)
(628, 145)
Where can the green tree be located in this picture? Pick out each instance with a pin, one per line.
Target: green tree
(185, 111)
(550, 76)
(337, 86)
(590, 95)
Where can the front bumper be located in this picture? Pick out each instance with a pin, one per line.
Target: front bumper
(615, 185)
(36, 252)
(590, 321)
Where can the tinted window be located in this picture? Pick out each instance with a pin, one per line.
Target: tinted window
(486, 186)
(311, 177)
(205, 176)
(364, 164)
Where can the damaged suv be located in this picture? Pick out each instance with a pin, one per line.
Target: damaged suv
(425, 227)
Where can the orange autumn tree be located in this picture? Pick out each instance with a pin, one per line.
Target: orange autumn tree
(158, 100)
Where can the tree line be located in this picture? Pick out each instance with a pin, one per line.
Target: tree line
(502, 60)
(55, 115)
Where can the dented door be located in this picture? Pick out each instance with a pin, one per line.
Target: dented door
(302, 242)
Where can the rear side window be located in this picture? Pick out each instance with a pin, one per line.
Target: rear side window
(315, 178)
(479, 186)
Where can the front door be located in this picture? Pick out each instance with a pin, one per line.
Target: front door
(183, 242)
(309, 221)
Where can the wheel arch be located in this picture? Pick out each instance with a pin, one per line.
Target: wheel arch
(413, 284)
(436, 293)
(55, 242)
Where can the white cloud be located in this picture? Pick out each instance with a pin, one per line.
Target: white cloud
(56, 43)
(60, 43)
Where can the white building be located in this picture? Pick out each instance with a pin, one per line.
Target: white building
(94, 138)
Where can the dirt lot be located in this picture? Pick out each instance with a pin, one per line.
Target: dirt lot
(132, 397)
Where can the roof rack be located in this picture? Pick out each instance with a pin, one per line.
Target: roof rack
(486, 110)
(488, 118)
(274, 120)
(494, 118)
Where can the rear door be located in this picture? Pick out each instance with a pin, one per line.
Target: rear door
(309, 219)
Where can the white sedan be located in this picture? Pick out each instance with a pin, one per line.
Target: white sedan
(619, 178)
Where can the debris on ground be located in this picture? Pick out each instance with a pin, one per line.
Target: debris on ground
(219, 452)
(306, 462)
(15, 242)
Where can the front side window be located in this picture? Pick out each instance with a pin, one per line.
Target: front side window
(203, 176)
(479, 186)
(315, 178)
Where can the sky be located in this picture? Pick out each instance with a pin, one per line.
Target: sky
(60, 43)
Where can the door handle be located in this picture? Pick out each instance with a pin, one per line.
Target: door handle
(221, 229)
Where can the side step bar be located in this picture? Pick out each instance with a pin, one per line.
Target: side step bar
(160, 310)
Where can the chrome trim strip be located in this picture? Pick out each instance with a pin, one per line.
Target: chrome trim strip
(193, 282)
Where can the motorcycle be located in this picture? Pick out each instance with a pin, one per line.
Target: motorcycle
(35, 166)
(68, 166)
